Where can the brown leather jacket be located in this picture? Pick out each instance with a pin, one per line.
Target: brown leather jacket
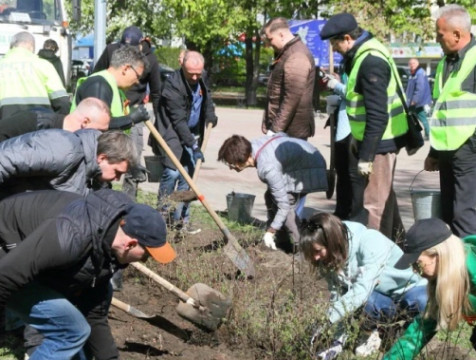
(290, 89)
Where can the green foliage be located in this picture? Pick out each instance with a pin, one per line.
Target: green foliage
(168, 56)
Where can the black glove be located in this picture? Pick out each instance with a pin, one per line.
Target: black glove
(139, 173)
(197, 154)
(213, 121)
(139, 115)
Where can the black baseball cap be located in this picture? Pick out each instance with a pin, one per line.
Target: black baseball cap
(148, 227)
(339, 24)
(423, 235)
(132, 35)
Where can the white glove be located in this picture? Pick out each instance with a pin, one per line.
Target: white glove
(365, 168)
(332, 83)
(332, 352)
(427, 109)
(268, 240)
(316, 333)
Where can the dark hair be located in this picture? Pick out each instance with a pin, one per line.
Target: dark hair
(329, 231)
(354, 34)
(274, 24)
(118, 147)
(128, 55)
(235, 150)
(50, 44)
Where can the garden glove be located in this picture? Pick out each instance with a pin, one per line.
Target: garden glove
(268, 240)
(331, 81)
(332, 352)
(365, 167)
(139, 115)
(317, 331)
(197, 154)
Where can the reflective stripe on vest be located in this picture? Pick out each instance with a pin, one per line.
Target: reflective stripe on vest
(397, 123)
(454, 115)
(119, 105)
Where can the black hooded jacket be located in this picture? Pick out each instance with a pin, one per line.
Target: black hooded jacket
(64, 242)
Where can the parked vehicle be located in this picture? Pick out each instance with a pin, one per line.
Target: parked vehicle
(44, 20)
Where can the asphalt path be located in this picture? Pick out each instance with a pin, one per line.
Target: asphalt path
(216, 180)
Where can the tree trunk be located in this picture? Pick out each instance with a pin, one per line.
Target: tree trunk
(252, 66)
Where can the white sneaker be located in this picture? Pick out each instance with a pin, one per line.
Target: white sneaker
(370, 346)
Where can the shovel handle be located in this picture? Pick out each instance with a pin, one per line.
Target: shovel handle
(206, 136)
(121, 305)
(166, 284)
(246, 266)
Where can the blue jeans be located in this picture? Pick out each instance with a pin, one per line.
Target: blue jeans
(383, 309)
(172, 180)
(421, 114)
(63, 327)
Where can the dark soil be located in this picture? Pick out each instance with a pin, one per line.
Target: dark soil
(268, 318)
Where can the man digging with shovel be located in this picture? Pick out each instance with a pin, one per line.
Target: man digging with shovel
(58, 252)
(186, 109)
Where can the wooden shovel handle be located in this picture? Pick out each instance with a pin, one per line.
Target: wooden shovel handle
(169, 286)
(237, 254)
(120, 305)
(206, 136)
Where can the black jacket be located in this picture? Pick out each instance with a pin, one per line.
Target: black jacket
(150, 77)
(65, 244)
(54, 60)
(174, 113)
(28, 121)
(372, 82)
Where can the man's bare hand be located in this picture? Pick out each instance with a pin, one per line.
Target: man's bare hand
(431, 164)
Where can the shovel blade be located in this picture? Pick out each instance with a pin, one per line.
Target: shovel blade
(183, 196)
(214, 307)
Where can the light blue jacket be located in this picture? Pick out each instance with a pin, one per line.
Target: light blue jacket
(369, 267)
(343, 125)
(418, 89)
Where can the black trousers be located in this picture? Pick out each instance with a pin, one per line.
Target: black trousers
(343, 185)
(458, 189)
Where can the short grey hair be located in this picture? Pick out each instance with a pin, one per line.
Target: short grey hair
(118, 147)
(455, 15)
(193, 56)
(22, 38)
(128, 55)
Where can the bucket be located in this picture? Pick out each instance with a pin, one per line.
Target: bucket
(426, 203)
(155, 168)
(240, 206)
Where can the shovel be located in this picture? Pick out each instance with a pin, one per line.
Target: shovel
(129, 309)
(331, 173)
(232, 249)
(201, 304)
(155, 320)
(185, 196)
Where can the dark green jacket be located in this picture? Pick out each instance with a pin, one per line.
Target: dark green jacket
(420, 331)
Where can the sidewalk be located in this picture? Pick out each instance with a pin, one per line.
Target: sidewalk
(216, 180)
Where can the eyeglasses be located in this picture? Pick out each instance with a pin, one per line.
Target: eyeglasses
(135, 72)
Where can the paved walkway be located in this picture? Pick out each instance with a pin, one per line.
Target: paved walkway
(216, 180)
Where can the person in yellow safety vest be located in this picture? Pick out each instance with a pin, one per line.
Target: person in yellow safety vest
(28, 82)
(125, 70)
(453, 122)
(377, 120)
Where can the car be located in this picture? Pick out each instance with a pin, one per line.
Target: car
(81, 67)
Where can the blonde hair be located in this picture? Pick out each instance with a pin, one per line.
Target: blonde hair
(448, 291)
